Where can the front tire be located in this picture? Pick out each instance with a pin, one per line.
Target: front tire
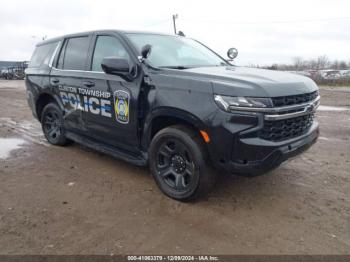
(178, 162)
(52, 125)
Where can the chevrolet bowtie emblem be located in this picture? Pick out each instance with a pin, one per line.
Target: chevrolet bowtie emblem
(310, 108)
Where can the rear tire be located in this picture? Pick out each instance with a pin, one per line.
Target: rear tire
(52, 125)
(179, 163)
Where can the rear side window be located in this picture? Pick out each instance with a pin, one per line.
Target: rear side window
(74, 53)
(42, 55)
(107, 46)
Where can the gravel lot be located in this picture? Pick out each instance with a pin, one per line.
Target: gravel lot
(71, 200)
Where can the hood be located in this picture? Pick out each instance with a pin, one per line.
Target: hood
(242, 81)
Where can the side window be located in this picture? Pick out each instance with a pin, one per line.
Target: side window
(107, 46)
(60, 58)
(73, 54)
(42, 55)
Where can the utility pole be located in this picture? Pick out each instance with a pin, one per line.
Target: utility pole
(174, 18)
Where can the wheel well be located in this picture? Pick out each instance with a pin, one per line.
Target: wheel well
(162, 122)
(42, 101)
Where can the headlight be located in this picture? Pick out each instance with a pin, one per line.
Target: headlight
(228, 103)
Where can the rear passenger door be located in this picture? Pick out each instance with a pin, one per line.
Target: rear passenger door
(115, 121)
(38, 72)
(66, 79)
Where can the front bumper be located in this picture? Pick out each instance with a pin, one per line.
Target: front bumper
(273, 154)
(236, 146)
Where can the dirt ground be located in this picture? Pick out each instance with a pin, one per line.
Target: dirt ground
(71, 200)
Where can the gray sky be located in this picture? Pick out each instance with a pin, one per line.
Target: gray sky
(264, 31)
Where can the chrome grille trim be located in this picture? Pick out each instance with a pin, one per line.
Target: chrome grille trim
(275, 109)
(304, 110)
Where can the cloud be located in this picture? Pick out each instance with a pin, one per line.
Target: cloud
(255, 27)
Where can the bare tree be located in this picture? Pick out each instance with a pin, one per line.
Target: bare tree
(335, 65)
(322, 62)
(298, 63)
(273, 67)
(312, 64)
(342, 65)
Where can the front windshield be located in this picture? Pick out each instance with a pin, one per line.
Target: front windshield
(175, 51)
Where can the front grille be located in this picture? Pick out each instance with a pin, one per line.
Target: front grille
(286, 129)
(293, 100)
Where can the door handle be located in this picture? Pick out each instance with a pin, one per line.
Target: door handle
(88, 83)
(55, 80)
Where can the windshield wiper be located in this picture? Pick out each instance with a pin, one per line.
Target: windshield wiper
(174, 67)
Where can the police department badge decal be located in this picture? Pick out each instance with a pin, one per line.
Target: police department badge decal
(121, 106)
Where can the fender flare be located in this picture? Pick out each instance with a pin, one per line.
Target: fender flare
(182, 115)
(55, 97)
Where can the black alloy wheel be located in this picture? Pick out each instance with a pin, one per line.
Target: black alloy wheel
(175, 165)
(178, 162)
(52, 125)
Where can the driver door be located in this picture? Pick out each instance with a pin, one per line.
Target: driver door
(112, 101)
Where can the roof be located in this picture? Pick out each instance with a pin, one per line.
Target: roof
(101, 31)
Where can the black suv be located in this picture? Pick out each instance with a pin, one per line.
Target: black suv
(169, 102)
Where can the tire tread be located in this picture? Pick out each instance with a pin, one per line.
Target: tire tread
(207, 176)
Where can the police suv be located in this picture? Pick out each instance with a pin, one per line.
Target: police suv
(171, 103)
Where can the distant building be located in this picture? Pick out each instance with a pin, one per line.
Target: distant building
(6, 64)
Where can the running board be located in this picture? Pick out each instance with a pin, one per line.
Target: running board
(140, 160)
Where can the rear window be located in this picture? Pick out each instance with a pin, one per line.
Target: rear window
(74, 53)
(42, 55)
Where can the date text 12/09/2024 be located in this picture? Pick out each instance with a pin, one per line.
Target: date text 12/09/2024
(173, 258)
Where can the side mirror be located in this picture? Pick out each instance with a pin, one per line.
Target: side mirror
(146, 51)
(119, 67)
(232, 53)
